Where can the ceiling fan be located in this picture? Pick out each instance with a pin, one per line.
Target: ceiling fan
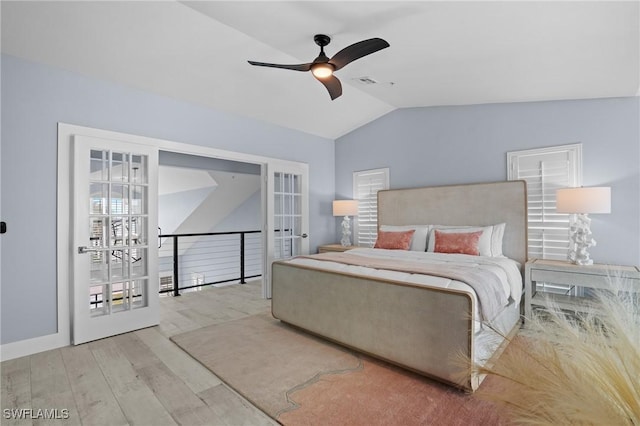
(323, 68)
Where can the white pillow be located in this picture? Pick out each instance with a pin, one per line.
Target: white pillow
(419, 239)
(490, 243)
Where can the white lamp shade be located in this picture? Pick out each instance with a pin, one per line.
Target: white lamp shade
(345, 208)
(583, 200)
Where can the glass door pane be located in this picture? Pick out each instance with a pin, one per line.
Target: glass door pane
(287, 205)
(287, 215)
(117, 219)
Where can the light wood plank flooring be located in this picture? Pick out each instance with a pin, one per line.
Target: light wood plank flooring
(138, 378)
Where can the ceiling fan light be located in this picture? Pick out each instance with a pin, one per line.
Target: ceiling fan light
(322, 70)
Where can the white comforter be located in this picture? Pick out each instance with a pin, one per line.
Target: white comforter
(507, 269)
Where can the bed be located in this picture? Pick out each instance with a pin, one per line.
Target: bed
(422, 320)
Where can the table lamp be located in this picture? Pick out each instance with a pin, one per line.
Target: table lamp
(345, 208)
(581, 202)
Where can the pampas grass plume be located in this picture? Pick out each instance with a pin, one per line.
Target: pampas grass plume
(581, 369)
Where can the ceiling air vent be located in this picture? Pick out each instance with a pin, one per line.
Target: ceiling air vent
(365, 80)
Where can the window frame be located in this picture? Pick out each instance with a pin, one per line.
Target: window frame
(368, 210)
(573, 153)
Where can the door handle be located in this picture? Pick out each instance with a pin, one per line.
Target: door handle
(304, 235)
(85, 249)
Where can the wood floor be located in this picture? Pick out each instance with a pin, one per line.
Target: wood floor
(138, 378)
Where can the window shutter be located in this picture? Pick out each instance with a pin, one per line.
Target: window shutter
(366, 185)
(546, 170)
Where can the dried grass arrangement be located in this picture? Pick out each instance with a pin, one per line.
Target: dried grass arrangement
(574, 369)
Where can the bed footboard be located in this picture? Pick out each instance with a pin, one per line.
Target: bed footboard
(420, 328)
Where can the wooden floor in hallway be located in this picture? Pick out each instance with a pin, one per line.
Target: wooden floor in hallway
(137, 378)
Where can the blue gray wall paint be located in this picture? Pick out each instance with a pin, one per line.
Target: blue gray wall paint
(422, 146)
(35, 98)
(463, 144)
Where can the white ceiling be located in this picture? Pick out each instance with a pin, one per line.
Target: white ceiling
(442, 53)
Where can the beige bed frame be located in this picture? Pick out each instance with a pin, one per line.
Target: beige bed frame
(420, 328)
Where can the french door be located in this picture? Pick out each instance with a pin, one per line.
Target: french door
(115, 276)
(287, 214)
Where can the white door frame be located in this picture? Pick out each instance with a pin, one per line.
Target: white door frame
(64, 243)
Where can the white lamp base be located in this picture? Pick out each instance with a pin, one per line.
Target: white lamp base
(581, 240)
(346, 232)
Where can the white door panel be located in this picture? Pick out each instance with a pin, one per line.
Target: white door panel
(115, 277)
(287, 214)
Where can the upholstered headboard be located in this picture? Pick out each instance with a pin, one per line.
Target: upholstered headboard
(478, 204)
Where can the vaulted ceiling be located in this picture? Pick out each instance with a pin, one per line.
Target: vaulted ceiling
(441, 53)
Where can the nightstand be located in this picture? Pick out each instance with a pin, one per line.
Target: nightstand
(334, 247)
(559, 272)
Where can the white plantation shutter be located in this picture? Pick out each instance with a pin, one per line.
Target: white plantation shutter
(546, 170)
(366, 185)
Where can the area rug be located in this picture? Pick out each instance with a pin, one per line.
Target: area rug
(299, 379)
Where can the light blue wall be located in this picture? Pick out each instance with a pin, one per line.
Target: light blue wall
(421, 146)
(35, 98)
(463, 144)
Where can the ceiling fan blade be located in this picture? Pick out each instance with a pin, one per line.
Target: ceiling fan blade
(332, 84)
(299, 67)
(357, 51)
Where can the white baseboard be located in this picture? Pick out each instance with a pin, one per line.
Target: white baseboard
(33, 346)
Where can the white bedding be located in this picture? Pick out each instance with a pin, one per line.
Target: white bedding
(507, 269)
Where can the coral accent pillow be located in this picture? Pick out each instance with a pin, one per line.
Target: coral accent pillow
(394, 240)
(464, 243)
